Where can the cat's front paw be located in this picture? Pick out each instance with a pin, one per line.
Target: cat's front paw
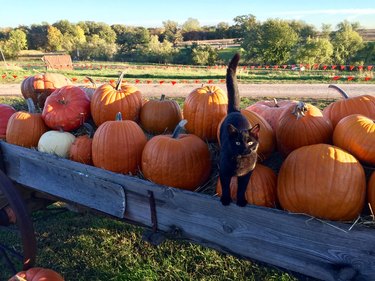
(225, 200)
(241, 202)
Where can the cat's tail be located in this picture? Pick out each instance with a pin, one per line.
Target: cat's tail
(232, 87)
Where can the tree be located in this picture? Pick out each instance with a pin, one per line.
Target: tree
(171, 32)
(243, 24)
(98, 49)
(315, 50)
(160, 52)
(222, 29)
(271, 42)
(16, 42)
(204, 55)
(73, 35)
(191, 25)
(346, 43)
(37, 36)
(55, 39)
(303, 30)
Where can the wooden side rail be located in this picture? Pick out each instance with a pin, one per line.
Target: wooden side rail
(324, 250)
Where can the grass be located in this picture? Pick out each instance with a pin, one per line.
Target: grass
(86, 246)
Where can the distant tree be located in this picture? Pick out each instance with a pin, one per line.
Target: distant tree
(190, 24)
(204, 55)
(222, 29)
(172, 33)
(303, 30)
(16, 42)
(346, 43)
(315, 50)
(326, 31)
(271, 42)
(366, 55)
(130, 40)
(37, 36)
(98, 49)
(160, 52)
(55, 39)
(243, 25)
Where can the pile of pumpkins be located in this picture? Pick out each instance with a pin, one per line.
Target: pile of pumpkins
(323, 151)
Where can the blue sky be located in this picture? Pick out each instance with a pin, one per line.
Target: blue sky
(149, 13)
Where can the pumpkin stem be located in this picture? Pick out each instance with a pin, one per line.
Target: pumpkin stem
(91, 81)
(162, 97)
(179, 128)
(30, 105)
(341, 91)
(119, 81)
(299, 110)
(118, 116)
(275, 101)
(89, 129)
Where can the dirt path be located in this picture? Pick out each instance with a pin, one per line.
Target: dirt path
(246, 90)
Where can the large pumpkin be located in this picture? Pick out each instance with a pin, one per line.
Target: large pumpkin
(178, 160)
(271, 110)
(364, 104)
(323, 181)
(25, 128)
(160, 116)
(371, 192)
(261, 189)
(40, 86)
(5, 112)
(37, 274)
(204, 108)
(66, 108)
(117, 146)
(108, 100)
(356, 134)
(302, 124)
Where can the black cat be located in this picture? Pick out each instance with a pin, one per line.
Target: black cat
(238, 140)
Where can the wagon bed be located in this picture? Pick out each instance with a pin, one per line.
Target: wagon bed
(295, 242)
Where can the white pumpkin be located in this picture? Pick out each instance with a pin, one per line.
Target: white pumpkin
(56, 142)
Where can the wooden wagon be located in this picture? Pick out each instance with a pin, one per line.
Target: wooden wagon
(295, 242)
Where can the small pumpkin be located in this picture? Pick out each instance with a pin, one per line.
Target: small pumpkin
(38, 87)
(177, 160)
(25, 128)
(302, 124)
(356, 134)
(261, 189)
(108, 100)
(56, 142)
(323, 181)
(271, 110)
(66, 108)
(371, 192)
(117, 146)
(37, 274)
(5, 112)
(363, 104)
(81, 148)
(160, 116)
(203, 109)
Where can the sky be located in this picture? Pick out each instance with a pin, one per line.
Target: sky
(149, 13)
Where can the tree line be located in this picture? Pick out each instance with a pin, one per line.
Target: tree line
(272, 42)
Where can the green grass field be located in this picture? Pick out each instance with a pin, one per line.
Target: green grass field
(86, 246)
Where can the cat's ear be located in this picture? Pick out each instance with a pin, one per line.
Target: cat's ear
(255, 130)
(232, 129)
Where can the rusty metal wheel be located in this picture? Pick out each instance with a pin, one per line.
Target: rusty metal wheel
(17, 242)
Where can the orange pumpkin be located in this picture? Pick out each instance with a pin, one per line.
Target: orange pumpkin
(261, 189)
(302, 124)
(364, 104)
(107, 101)
(371, 192)
(178, 160)
(40, 86)
(323, 181)
(25, 128)
(5, 112)
(37, 274)
(204, 108)
(117, 146)
(356, 134)
(160, 116)
(81, 148)
(271, 110)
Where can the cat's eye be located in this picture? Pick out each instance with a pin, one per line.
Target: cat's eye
(238, 143)
(250, 143)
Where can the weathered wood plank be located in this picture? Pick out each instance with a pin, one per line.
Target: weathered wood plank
(61, 178)
(294, 242)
